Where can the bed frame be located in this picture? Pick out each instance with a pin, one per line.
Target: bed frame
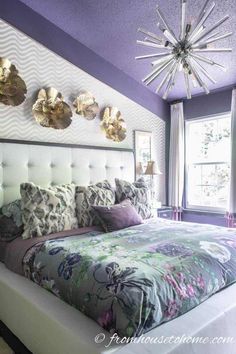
(46, 325)
(14, 343)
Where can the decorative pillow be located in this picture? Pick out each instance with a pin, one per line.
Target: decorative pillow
(99, 194)
(139, 194)
(47, 210)
(118, 216)
(11, 224)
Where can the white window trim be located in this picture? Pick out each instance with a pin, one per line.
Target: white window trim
(187, 124)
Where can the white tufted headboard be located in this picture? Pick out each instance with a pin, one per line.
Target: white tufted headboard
(48, 164)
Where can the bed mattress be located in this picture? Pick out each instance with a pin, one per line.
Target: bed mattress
(132, 280)
(47, 325)
(48, 321)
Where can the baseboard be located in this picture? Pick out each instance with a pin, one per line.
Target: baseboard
(14, 343)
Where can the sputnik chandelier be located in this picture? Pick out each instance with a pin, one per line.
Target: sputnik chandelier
(184, 53)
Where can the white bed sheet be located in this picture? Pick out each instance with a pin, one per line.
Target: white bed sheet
(47, 325)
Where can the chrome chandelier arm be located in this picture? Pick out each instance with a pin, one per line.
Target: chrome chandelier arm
(156, 55)
(217, 24)
(183, 19)
(212, 40)
(157, 70)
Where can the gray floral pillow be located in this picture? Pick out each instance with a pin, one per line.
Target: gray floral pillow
(47, 210)
(99, 194)
(139, 194)
(11, 224)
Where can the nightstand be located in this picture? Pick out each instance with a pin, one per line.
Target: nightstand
(165, 212)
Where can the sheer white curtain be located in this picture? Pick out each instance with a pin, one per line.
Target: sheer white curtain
(232, 189)
(176, 159)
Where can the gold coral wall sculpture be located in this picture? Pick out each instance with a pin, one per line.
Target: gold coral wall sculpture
(86, 106)
(12, 87)
(50, 110)
(113, 124)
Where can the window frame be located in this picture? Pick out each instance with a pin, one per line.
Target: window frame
(187, 205)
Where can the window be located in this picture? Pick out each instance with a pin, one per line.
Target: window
(207, 163)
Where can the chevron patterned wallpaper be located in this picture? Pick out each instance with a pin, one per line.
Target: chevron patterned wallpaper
(39, 67)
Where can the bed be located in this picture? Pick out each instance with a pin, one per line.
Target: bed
(43, 322)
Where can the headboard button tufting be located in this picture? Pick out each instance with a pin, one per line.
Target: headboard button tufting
(48, 166)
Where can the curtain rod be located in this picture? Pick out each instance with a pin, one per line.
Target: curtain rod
(177, 101)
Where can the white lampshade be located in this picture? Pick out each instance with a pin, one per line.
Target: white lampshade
(152, 169)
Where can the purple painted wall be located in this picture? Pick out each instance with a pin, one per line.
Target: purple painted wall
(204, 218)
(214, 103)
(37, 27)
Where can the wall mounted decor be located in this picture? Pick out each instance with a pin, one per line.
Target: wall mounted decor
(184, 52)
(113, 124)
(12, 87)
(86, 106)
(50, 110)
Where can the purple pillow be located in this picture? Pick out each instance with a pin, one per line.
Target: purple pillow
(118, 216)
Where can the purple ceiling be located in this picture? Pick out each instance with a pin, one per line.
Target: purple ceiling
(109, 28)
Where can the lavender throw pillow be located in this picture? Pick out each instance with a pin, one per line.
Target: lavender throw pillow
(118, 216)
(139, 194)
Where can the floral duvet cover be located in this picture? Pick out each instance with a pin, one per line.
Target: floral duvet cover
(132, 280)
